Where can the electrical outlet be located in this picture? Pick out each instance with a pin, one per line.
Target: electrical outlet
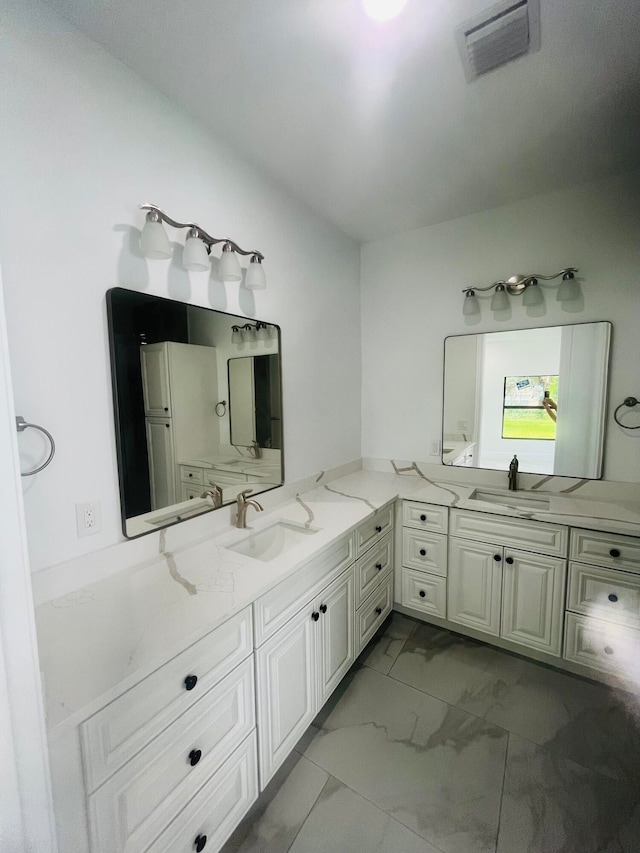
(88, 518)
(435, 447)
(463, 426)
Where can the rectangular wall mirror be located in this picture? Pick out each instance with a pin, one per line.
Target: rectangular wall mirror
(198, 415)
(537, 393)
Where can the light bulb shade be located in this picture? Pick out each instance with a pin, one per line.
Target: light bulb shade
(194, 254)
(263, 332)
(470, 304)
(569, 288)
(499, 300)
(533, 295)
(249, 334)
(230, 269)
(255, 278)
(154, 242)
(236, 335)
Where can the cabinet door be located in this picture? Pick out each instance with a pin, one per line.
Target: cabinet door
(532, 602)
(335, 648)
(286, 689)
(162, 468)
(155, 380)
(474, 585)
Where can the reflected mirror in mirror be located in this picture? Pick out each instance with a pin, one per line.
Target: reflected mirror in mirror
(175, 407)
(537, 393)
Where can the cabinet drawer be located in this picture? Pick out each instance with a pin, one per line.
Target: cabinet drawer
(373, 613)
(189, 474)
(370, 531)
(276, 607)
(606, 549)
(604, 593)
(188, 492)
(142, 798)
(425, 552)
(425, 516)
(121, 729)
(602, 645)
(536, 536)
(216, 809)
(424, 592)
(371, 568)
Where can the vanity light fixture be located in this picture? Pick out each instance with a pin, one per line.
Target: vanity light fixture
(248, 333)
(154, 243)
(521, 285)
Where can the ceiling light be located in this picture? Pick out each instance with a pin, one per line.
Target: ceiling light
(194, 255)
(383, 10)
(154, 242)
(518, 285)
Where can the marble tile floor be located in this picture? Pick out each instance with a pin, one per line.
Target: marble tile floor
(435, 743)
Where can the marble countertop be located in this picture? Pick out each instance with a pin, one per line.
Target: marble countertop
(101, 639)
(252, 467)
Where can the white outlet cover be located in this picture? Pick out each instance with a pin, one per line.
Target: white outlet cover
(84, 513)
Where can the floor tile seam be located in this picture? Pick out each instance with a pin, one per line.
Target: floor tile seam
(502, 790)
(293, 840)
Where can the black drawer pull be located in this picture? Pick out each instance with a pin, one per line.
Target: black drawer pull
(323, 608)
(423, 553)
(422, 593)
(497, 558)
(191, 475)
(378, 530)
(614, 552)
(190, 682)
(608, 650)
(315, 615)
(378, 566)
(200, 843)
(509, 560)
(423, 518)
(194, 756)
(166, 408)
(378, 610)
(613, 597)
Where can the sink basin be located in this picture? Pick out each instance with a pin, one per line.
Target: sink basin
(522, 500)
(272, 541)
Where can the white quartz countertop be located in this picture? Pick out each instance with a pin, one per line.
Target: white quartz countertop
(101, 639)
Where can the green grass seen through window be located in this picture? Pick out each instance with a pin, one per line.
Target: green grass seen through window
(531, 423)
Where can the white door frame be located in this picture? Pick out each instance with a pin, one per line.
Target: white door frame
(26, 817)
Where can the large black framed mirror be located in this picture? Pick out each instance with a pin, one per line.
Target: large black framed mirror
(177, 399)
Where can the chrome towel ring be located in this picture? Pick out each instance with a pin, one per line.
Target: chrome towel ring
(629, 402)
(21, 425)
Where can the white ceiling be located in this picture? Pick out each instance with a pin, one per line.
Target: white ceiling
(374, 125)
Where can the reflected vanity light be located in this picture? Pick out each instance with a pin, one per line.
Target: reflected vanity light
(249, 333)
(154, 243)
(522, 285)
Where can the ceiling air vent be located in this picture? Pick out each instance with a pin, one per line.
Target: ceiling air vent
(501, 33)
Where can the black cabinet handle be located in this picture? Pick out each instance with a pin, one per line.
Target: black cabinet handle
(378, 566)
(315, 615)
(167, 426)
(200, 843)
(378, 530)
(497, 558)
(191, 475)
(608, 650)
(190, 682)
(613, 597)
(323, 608)
(378, 610)
(509, 560)
(194, 756)
(166, 408)
(423, 553)
(422, 593)
(423, 518)
(614, 552)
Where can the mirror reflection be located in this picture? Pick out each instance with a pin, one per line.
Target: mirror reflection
(192, 432)
(537, 393)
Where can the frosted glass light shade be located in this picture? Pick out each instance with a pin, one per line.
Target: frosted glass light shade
(499, 300)
(194, 254)
(533, 295)
(154, 242)
(230, 269)
(263, 332)
(249, 334)
(470, 304)
(255, 278)
(569, 289)
(236, 335)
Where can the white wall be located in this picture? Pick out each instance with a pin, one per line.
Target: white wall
(411, 300)
(87, 141)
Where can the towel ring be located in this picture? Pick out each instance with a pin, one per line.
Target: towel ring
(21, 425)
(629, 402)
(222, 403)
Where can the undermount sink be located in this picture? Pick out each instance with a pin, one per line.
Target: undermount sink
(513, 499)
(272, 541)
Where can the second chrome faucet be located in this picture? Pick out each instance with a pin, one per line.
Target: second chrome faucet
(242, 505)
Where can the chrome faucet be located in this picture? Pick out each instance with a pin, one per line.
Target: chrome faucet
(215, 493)
(254, 450)
(513, 474)
(242, 505)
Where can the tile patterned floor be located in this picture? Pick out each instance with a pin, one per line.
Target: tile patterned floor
(438, 743)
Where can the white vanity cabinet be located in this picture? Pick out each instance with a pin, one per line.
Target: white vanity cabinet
(603, 602)
(373, 574)
(423, 577)
(500, 589)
